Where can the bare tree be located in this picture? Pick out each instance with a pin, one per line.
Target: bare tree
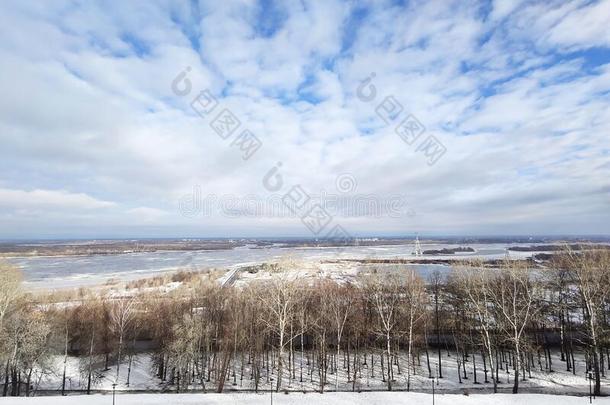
(121, 315)
(88, 317)
(30, 335)
(590, 272)
(385, 295)
(10, 289)
(340, 299)
(476, 283)
(436, 281)
(415, 296)
(279, 298)
(10, 295)
(514, 296)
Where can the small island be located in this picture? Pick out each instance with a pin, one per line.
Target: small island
(450, 251)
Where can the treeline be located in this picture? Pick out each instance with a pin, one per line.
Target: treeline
(204, 336)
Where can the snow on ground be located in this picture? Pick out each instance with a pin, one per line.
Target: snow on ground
(368, 398)
(142, 377)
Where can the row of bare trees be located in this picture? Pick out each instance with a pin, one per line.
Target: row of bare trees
(284, 332)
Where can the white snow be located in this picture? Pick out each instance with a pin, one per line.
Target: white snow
(368, 398)
(143, 377)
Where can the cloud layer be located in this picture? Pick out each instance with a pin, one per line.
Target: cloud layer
(96, 144)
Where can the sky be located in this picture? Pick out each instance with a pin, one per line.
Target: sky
(380, 117)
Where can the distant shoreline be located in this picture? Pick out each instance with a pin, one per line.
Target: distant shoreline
(118, 247)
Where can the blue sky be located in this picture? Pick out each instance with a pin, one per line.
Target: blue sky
(96, 144)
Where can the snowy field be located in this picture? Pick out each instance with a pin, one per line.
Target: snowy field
(382, 398)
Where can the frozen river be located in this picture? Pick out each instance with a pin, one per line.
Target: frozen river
(66, 271)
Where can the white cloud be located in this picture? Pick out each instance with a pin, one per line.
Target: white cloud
(88, 108)
(50, 199)
(585, 27)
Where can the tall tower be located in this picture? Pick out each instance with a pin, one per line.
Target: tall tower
(418, 251)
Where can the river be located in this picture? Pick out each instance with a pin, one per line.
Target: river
(74, 271)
